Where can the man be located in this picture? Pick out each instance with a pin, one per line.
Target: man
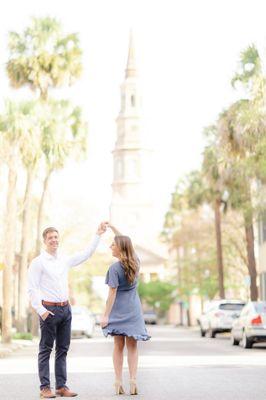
(48, 292)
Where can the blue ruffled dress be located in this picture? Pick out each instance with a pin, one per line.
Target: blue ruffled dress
(126, 316)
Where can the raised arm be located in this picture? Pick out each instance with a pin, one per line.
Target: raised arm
(114, 229)
(82, 256)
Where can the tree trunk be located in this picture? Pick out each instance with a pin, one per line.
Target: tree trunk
(24, 251)
(9, 253)
(219, 250)
(249, 231)
(251, 259)
(34, 327)
(41, 212)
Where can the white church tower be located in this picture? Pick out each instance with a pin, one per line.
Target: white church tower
(131, 206)
(131, 209)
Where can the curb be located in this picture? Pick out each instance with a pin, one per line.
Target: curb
(7, 349)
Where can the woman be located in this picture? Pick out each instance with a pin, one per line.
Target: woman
(123, 317)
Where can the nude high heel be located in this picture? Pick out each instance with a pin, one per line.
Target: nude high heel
(133, 386)
(118, 387)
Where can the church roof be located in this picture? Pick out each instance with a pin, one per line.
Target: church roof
(131, 69)
(148, 256)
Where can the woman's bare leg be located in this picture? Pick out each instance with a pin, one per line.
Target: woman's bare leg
(132, 357)
(119, 344)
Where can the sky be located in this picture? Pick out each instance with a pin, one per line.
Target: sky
(187, 52)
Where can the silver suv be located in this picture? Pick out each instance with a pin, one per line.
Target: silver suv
(219, 316)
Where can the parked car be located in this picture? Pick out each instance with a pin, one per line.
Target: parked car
(150, 317)
(83, 321)
(219, 315)
(97, 317)
(250, 327)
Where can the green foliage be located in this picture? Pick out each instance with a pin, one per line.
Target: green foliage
(233, 160)
(22, 336)
(64, 133)
(42, 56)
(158, 295)
(250, 66)
(81, 281)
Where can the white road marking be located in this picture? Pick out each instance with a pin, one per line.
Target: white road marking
(104, 364)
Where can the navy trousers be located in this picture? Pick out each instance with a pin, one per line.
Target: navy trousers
(56, 328)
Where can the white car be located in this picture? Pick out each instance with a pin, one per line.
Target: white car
(83, 321)
(250, 327)
(219, 315)
(150, 317)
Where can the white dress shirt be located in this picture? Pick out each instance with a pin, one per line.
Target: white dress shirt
(48, 276)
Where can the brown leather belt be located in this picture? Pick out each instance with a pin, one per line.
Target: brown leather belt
(49, 303)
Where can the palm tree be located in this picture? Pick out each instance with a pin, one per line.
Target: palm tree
(239, 178)
(215, 195)
(12, 128)
(205, 187)
(199, 188)
(64, 135)
(43, 57)
(242, 138)
(30, 151)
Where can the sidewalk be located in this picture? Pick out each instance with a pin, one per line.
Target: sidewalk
(7, 349)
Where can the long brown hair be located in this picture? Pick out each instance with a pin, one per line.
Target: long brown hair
(127, 257)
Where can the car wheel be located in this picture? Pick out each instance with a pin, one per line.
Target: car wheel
(212, 333)
(202, 332)
(246, 342)
(233, 340)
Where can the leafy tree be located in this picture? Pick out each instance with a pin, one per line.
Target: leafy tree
(43, 57)
(158, 295)
(243, 140)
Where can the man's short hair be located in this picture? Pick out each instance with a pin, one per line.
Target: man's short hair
(47, 230)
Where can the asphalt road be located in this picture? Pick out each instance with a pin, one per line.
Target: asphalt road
(175, 364)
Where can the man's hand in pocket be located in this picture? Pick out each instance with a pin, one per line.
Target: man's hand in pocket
(45, 315)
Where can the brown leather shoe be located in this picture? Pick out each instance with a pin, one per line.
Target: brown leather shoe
(46, 393)
(65, 392)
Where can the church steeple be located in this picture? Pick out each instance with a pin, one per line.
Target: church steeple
(131, 70)
(131, 195)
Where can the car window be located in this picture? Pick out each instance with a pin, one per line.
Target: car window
(260, 308)
(231, 306)
(209, 307)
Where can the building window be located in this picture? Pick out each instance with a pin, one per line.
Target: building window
(133, 102)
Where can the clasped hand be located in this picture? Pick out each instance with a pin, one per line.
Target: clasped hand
(104, 321)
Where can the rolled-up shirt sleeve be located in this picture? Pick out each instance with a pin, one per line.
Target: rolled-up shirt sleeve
(82, 256)
(34, 277)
